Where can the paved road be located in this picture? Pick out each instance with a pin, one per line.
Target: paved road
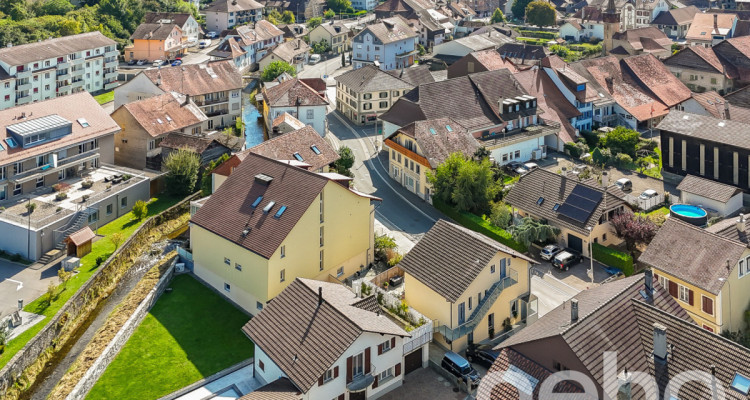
(21, 282)
(331, 67)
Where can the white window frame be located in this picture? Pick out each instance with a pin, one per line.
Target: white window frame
(386, 346)
(683, 293)
(742, 271)
(282, 275)
(227, 261)
(358, 365)
(328, 376)
(385, 375)
(238, 266)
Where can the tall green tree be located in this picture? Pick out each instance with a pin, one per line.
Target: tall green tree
(287, 17)
(208, 171)
(182, 172)
(621, 140)
(276, 68)
(533, 231)
(339, 6)
(313, 23)
(519, 8)
(540, 13)
(329, 14)
(345, 162)
(497, 16)
(465, 183)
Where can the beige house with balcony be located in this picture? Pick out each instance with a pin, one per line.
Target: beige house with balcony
(333, 32)
(215, 87)
(145, 123)
(363, 94)
(701, 69)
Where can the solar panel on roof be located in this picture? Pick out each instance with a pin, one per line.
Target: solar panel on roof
(573, 213)
(580, 203)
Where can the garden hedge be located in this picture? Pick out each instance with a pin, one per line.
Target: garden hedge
(614, 258)
(477, 224)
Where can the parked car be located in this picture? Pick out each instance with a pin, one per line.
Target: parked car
(141, 62)
(531, 166)
(158, 63)
(211, 34)
(550, 251)
(513, 166)
(647, 194)
(580, 168)
(204, 43)
(132, 61)
(192, 42)
(176, 63)
(460, 368)
(482, 354)
(624, 184)
(566, 258)
(314, 59)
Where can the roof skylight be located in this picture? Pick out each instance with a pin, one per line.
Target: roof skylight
(281, 211)
(268, 207)
(315, 149)
(11, 143)
(298, 157)
(83, 122)
(448, 128)
(432, 131)
(741, 383)
(257, 201)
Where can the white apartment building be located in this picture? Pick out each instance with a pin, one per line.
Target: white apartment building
(56, 67)
(226, 14)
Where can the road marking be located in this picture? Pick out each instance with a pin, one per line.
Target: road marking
(381, 164)
(19, 283)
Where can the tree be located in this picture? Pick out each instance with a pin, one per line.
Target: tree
(321, 47)
(182, 172)
(621, 140)
(500, 215)
(633, 229)
(345, 161)
(64, 275)
(533, 231)
(52, 7)
(287, 17)
(140, 210)
(274, 17)
(30, 207)
(276, 68)
(329, 14)
(540, 13)
(481, 153)
(519, 8)
(421, 49)
(313, 23)
(383, 243)
(343, 59)
(206, 179)
(497, 16)
(467, 184)
(116, 239)
(339, 6)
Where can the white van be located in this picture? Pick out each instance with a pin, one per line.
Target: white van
(314, 59)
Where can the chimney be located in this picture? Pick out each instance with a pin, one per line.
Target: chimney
(741, 223)
(660, 342)
(649, 281)
(573, 310)
(605, 179)
(320, 295)
(726, 110)
(624, 391)
(716, 23)
(187, 100)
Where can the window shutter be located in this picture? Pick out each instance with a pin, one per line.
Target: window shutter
(398, 369)
(341, 396)
(393, 342)
(380, 349)
(375, 384)
(367, 360)
(320, 380)
(690, 296)
(673, 289)
(335, 372)
(708, 306)
(349, 370)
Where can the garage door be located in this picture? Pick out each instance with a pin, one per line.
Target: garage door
(575, 243)
(413, 361)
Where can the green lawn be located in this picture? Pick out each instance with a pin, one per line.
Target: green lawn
(105, 97)
(125, 224)
(189, 334)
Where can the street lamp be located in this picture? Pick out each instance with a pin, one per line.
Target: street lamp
(591, 255)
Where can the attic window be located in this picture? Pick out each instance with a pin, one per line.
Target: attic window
(281, 211)
(315, 149)
(741, 383)
(159, 120)
(540, 201)
(557, 205)
(11, 143)
(83, 122)
(169, 118)
(1, 147)
(257, 201)
(448, 128)
(268, 207)
(432, 131)
(298, 157)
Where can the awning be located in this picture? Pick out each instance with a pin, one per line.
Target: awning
(360, 383)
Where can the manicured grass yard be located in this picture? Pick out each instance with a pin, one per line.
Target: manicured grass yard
(189, 334)
(126, 224)
(105, 97)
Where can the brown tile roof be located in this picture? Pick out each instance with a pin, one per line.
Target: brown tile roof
(71, 107)
(726, 132)
(639, 38)
(371, 79)
(492, 60)
(676, 16)
(304, 338)
(290, 49)
(280, 389)
(740, 97)
(263, 30)
(415, 75)
(554, 189)
(522, 50)
(301, 142)
(718, 107)
(682, 59)
(228, 212)
(156, 31)
(53, 48)
(436, 142)
(164, 113)
(390, 30)
(727, 229)
(198, 79)
(81, 236)
(335, 28)
(291, 93)
(702, 27)
(196, 144)
(654, 76)
(286, 118)
(450, 257)
(226, 168)
(693, 254)
(232, 5)
(551, 102)
(228, 48)
(393, 6)
(177, 18)
(708, 188)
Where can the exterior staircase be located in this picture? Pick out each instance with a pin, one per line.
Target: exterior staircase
(77, 222)
(480, 311)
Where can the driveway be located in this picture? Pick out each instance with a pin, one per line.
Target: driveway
(425, 384)
(21, 282)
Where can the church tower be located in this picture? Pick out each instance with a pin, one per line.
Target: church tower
(611, 20)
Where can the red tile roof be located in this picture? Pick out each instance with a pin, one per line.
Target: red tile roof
(198, 79)
(492, 60)
(81, 236)
(300, 141)
(291, 93)
(657, 78)
(164, 113)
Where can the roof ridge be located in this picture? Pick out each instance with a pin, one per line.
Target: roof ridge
(691, 226)
(598, 308)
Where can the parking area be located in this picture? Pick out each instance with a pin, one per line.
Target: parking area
(427, 384)
(21, 282)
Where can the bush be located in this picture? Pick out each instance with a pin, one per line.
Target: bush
(500, 215)
(16, 257)
(614, 258)
(61, 187)
(591, 138)
(539, 34)
(87, 184)
(572, 149)
(594, 40)
(126, 177)
(395, 259)
(601, 157)
(648, 145)
(623, 160)
(140, 210)
(61, 196)
(477, 224)
(102, 258)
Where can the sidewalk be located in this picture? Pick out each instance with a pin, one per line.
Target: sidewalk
(403, 243)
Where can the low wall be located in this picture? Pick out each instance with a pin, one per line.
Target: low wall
(113, 348)
(386, 275)
(55, 333)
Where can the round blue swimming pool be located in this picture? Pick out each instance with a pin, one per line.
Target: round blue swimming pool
(692, 214)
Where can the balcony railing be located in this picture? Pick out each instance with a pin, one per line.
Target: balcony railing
(482, 308)
(216, 112)
(23, 74)
(78, 84)
(24, 86)
(47, 169)
(64, 77)
(23, 100)
(110, 63)
(64, 88)
(605, 118)
(113, 53)
(111, 85)
(207, 102)
(531, 131)
(110, 75)
(78, 61)
(63, 65)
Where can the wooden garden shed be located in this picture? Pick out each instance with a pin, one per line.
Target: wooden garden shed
(79, 242)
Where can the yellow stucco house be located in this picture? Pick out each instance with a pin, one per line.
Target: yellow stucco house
(705, 270)
(580, 210)
(271, 222)
(420, 147)
(467, 283)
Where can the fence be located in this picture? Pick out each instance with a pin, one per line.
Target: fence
(386, 275)
(645, 204)
(54, 335)
(419, 337)
(110, 352)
